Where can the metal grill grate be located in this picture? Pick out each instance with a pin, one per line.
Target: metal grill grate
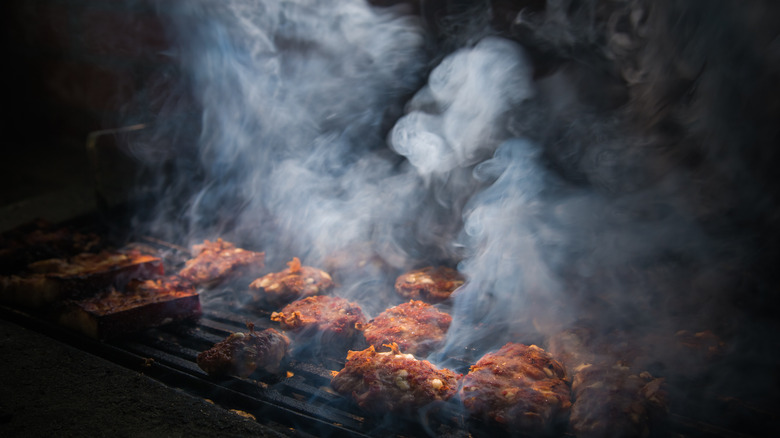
(301, 399)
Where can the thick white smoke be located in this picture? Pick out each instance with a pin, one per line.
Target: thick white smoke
(297, 97)
(568, 170)
(454, 120)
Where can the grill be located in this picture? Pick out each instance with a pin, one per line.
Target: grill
(628, 100)
(301, 400)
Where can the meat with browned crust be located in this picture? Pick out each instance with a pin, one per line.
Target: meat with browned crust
(217, 261)
(417, 327)
(610, 398)
(140, 305)
(290, 284)
(613, 401)
(431, 284)
(39, 240)
(48, 281)
(323, 314)
(520, 387)
(391, 381)
(241, 354)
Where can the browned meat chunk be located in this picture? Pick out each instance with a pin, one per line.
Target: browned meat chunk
(610, 398)
(143, 304)
(612, 401)
(293, 283)
(322, 314)
(417, 327)
(520, 387)
(49, 281)
(392, 381)
(241, 354)
(217, 261)
(431, 284)
(39, 240)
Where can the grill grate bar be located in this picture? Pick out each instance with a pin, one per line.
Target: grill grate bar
(288, 394)
(302, 399)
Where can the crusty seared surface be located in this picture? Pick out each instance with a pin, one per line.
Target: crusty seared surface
(322, 314)
(292, 283)
(47, 282)
(431, 284)
(217, 261)
(393, 381)
(241, 354)
(40, 240)
(520, 387)
(613, 401)
(417, 327)
(611, 397)
(141, 305)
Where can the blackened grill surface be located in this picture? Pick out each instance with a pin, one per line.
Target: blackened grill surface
(301, 400)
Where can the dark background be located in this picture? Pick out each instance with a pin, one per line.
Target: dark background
(72, 67)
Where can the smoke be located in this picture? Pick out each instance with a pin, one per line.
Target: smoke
(296, 100)
(587, 161)
(453, 121)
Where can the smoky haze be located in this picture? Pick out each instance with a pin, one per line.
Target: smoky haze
(297, 98)
(552, 161)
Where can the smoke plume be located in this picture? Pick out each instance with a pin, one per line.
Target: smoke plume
(583, 160)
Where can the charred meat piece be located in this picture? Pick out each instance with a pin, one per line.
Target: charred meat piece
(416, 327)
(613, 401)
(142, 304)
(39, 240)
(520, 387)
(49, 281)
(217, 261)
(241, 354)
(431, 284)
(390, 381)
(609, 398)
(293, 283)
(324, 314)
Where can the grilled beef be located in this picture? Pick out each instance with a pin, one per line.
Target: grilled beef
(613, 401)
(241, 354)
(391, 381)
(49, 281)
(334, 317)
(610, 398)
(142, 304)
(40, 240)
(520, 387)
(215, 262)
(416, 327)
(295, 282)
(431, 284)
